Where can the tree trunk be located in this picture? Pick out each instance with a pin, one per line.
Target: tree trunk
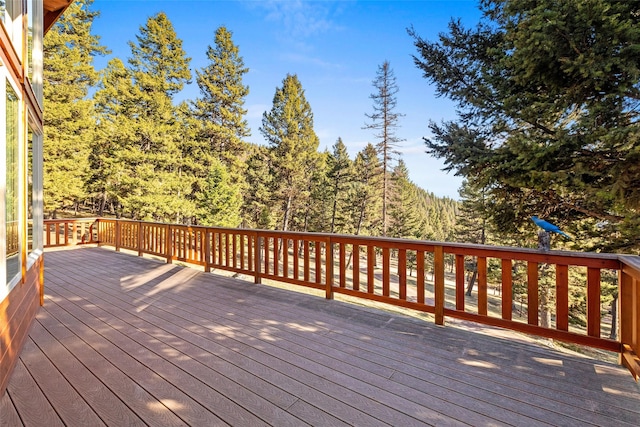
(472, 282)
(614, 319)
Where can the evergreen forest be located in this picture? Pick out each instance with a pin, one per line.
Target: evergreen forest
(547, 97)
(118, 144)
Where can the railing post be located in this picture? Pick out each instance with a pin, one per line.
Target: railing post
(329, 273)
(140, 240)
(629, 300)
(257, 259)
(169, 244)
(438, 266)
(207, 250)
(118, 231)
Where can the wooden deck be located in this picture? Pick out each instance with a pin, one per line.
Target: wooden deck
(124, 340)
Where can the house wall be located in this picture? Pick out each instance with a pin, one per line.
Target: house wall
(17, 312)
(21, 254)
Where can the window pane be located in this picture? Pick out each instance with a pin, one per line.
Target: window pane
(12, 190)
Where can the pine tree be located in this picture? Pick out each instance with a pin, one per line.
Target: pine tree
(257, 208)
(113, 138)
(159, 69)
(339, 177)
(288, 129)
(404, 219)
(219, 202)
(364, 193)
(384, 120)
(220, 110)
(546, 93)
(69, 74)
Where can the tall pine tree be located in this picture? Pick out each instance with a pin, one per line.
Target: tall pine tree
(159, 69)
(288, 128)
(220, 108)
(384, 121)
(69, 74)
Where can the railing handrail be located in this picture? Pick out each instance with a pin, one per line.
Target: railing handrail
(259, 253)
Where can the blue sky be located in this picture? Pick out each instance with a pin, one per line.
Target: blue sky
(335, 48)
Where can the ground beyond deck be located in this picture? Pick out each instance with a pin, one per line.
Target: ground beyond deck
(130, 341)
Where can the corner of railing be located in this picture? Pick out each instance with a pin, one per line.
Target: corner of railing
(629, 297)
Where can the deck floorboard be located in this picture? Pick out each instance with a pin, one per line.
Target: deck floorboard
(124, 340)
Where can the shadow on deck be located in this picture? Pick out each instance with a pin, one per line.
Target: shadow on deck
(124, 340)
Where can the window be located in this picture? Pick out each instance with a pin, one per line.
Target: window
(12, 190)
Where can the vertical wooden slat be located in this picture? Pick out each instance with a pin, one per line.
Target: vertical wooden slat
(207, 251)
(386, 272)
(242, 247)
(343, 267)
(318, 253)
(227, 246)
(285, 257)
(266, 241)
(420, 276)
(306, 260)
(438, 267)
(296, 260)
(562, 297)
(235, 250)
(371, 254)
(276, 255)
(168, 243)
(250, 252)
(256, 258)
(507, 289)
(532, 293)
(460, 282)
(593, 302)
(74, 232)
(118, 235)
(482, 286)
(140, 243)
(329, 266)
(355, 259)
(402, 273)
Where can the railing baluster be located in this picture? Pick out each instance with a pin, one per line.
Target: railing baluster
(532, 293)
(507, 289)
(386, 272)
(438, 267)
(343, 267)
(306, 260)
(460, 282)
(318, 253)
(402, 274)
(296, 267)
(329, 266)
(562, 297)
(371, 262)
(593, 302)
(482, 286)
(355, 259)
(420, 276)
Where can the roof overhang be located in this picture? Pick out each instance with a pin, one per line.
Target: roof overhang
(52, 10)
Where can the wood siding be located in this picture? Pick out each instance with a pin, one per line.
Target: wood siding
(17, 312)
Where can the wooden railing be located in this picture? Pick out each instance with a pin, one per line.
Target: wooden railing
(66, 232)
(381, 269)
